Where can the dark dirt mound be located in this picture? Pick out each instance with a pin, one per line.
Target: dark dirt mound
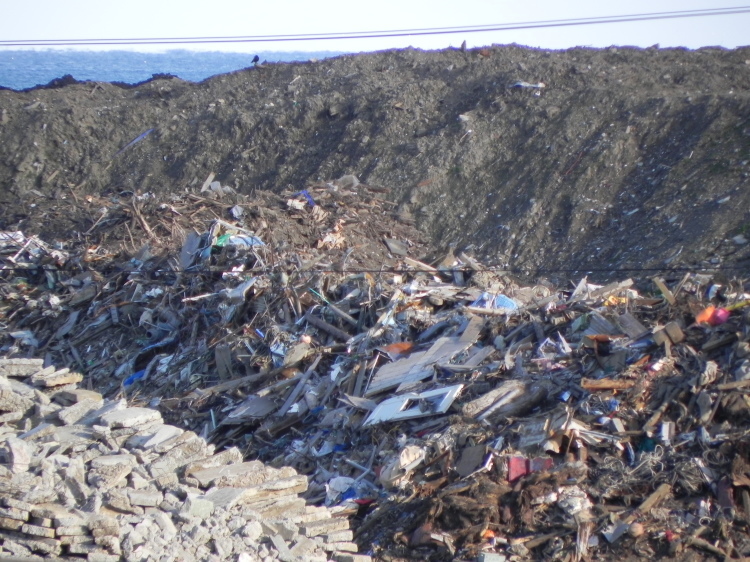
(626, 158)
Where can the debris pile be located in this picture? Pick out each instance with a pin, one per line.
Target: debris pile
(448, 409)
(94, 478)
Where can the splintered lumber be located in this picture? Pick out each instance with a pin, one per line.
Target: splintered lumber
(606, 384)
(604, 292)
(650, 502)
(511, 398)
(733, 385)
(418, 265)
(326, 327)
(659, 282)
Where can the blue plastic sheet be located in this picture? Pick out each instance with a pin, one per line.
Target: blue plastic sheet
(498, 301)
(134, 377)
(307, 195)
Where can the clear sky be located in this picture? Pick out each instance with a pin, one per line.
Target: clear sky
(89, 19)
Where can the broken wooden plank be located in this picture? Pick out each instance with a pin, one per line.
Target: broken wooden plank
(733, 385)
(223, 358)
(650, 502)
(507, 391)
(631, 326)
(659, 282)
(606, 384)
(418, 265)
(601, 292)
(297, 392)
(326, 327)
(511, 399)
(490, 311)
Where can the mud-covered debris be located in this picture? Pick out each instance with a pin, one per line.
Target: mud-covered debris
(306, 354)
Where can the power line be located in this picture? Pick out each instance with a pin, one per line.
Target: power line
(383, 33)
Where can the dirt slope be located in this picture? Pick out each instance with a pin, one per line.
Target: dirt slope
(626, 157)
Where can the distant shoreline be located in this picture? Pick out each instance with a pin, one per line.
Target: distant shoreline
(23, 69)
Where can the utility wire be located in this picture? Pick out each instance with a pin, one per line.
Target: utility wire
(384, 33)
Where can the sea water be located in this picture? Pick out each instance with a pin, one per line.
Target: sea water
(25, 69)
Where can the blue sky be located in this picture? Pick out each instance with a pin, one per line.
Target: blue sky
(88, 19)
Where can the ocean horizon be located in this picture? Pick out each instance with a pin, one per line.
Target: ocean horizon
(24, 69)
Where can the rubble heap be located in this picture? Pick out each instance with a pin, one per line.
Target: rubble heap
(84, 476)
(448, 409)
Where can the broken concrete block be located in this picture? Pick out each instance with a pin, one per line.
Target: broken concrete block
(48, 510)
(226, 498)
(74, 539)
(304, 547)
(72, 530)
(20, 367)
(145, 498)
(349, 557)
(67, 520)
(188, 451)
(11, 417)
(287, 506)
(76, 412)
(130, 417)
(167, 481)
(111, 543)
(178, 439)
(113, 460)
(108, 476)
(102, 557)
(10, 524)
(149, 438)
(277, 488)
(78, 489)
(344, 546)
(12, 402)
(83, 547)
(324, 527)
(339, 536)
(108, 408)
(38, 544)
(104, 526)
(69, 397)
(15, 548)
(118, 500)
(41, 521)
(18, 504)
(14, 513)
(164, 521)
(304, 515)
(198, 507)
(40, 431)
(48, 412)
(19, 453)
(227, 457)
(38, 531)
(250, 473)
(284, 553)
(253, 530)
(57, 378)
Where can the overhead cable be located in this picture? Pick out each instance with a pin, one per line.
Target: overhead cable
(382, 33)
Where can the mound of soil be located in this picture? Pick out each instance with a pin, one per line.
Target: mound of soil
(544, 162)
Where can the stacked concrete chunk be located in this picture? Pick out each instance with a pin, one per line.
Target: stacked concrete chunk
(86, 478)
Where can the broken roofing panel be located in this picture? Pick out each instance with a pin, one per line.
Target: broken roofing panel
(414, 405)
